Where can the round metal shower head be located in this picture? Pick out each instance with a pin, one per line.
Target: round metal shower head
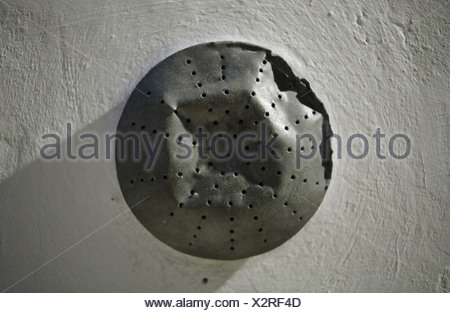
(219, 151)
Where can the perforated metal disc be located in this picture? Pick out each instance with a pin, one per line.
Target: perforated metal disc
(218, 203)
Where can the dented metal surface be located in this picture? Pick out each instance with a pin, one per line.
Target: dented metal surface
(214, 202)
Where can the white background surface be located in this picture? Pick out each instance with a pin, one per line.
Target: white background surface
(384, 225)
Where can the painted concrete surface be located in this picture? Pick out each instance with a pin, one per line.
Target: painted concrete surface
(384, 225)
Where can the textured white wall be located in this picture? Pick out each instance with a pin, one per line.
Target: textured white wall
(384, 224)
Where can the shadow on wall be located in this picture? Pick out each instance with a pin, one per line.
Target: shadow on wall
(65, 227)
